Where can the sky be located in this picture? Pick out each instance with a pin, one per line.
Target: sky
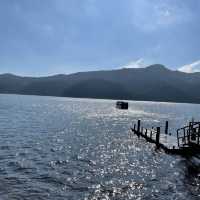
(45, 37)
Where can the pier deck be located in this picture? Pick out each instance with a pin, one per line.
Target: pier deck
(182, 144)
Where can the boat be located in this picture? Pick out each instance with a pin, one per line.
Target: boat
(122, 105)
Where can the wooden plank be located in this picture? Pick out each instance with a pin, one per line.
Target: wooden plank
(168, 140)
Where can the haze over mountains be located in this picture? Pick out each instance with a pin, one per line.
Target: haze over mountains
(154, 83)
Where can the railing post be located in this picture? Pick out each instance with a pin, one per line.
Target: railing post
(138, 126)
(199, 135)
(188, 135)
(158, 137)
(151, 132)
(178, 137)
(184, 134)
(190, 131)
(146, 133)
(166, 127)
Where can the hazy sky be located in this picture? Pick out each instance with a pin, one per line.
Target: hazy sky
(42, 37)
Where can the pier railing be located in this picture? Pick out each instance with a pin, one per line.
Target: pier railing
(151, 135)
(186, 143)
(189, 135)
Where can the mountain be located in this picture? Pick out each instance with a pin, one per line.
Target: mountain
(97, 88)
(153, 83)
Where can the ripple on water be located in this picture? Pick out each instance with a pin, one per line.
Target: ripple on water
(57, 148)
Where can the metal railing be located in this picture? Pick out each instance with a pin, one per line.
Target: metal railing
(188, 135)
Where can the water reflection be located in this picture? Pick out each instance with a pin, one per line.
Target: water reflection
(59, 148)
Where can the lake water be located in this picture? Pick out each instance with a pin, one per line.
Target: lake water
(63, 148)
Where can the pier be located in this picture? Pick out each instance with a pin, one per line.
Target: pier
(186, 142)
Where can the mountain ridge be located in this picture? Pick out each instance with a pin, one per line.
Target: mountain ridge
(153, 83)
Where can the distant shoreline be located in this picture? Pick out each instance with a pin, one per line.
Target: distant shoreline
(82, 98)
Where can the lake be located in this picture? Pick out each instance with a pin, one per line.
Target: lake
(64, 148)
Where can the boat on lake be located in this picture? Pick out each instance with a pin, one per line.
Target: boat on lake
(122, 105)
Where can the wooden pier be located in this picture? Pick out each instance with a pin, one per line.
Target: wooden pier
(187, 141)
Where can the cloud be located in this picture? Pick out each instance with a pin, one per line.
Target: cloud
(191, 68)
(149, 16)
(140, 63)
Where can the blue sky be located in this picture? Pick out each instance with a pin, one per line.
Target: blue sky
(43, 37)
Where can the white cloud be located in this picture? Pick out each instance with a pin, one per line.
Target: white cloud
(140, 63)
(191, 68)
(149, 16)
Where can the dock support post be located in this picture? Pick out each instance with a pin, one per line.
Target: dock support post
(138, 127)
(199, 135)
(166, 127)
(151, 132)
(158, 137)
(178, 137)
